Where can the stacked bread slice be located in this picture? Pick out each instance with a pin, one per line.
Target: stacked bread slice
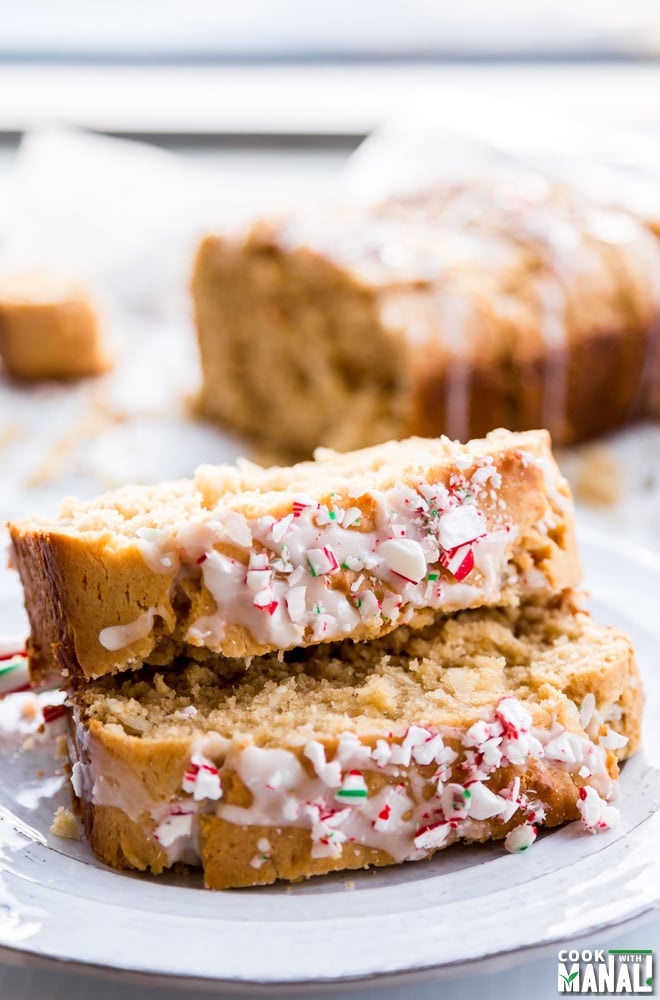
(355, 661)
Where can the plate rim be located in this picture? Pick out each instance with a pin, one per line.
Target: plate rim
(25, 953)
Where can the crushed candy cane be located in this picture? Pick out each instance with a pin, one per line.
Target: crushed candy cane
(595, 812)
(173, 828)
(202, 779)
(405, 557)
(55, 719)
(322, 561)
(14, 674)
(459, 561)
(520, 838)
(420, 545)
(353, 787)
(433, 793)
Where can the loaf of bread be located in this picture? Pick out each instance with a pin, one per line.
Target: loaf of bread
(517, 304)
(486, 724)
(243, 560)
(49, 328)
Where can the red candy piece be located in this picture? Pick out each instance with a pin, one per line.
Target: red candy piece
(53, 712)
(459, 561)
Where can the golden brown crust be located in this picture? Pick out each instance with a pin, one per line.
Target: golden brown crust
(78, 583)
(227, 849)
(72, 589)
(120, 842)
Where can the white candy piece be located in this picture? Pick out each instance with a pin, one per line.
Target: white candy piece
(236, 529)
(405, 557)
(202, 779)
(390, 606)
(520, 838)
(257, 579)
(265, 597)
(455, 801)
(427, 752)
(280, 528)
(382, 753)
(207, 785)
(351, 516)
(329, 773)
(322, 561)
(353, 787)
(595, 812)
(483, 804)
(477, 734)
(587, 709)
(432, 837)
(512, 713)
(460, 525)
(560, 748)
(612, 741)
(173, 828)
(491, 752)
(296, 603)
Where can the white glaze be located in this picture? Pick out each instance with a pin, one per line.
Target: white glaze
(341, 803)
(493, 228)
(553, 299)
(287, 592)
(317, 572)
(116, 637)
(455, 314)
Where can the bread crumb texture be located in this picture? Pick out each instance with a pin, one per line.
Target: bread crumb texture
(65, 825)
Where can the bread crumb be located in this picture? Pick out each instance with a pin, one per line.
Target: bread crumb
(349, 885)
(64, 824)
(29, 743)
(11, 434)
(61, 749)
(599, 479)
(29, 710)
(95, 419)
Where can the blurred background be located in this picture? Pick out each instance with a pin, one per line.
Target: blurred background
(127, 131)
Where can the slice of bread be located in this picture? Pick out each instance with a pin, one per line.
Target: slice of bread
(484, 725)
(49, 328)
(244, 560)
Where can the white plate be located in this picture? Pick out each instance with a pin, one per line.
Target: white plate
(464, 905)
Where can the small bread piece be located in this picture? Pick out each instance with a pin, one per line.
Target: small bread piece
(49, 329)
(64, 824)
(243, 560)
(506, 302)
(484, 725)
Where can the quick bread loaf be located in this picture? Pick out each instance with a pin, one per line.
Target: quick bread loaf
(513, 302)
(490, 723)
(241, 560)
